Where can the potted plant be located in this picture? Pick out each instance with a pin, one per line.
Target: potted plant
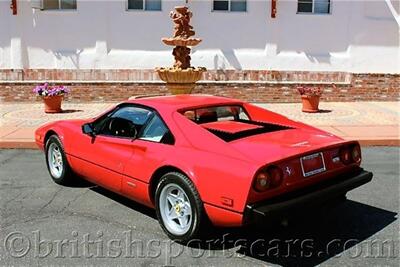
(52, 96)
(310, 98)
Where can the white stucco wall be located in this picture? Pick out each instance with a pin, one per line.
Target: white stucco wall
(359, 36)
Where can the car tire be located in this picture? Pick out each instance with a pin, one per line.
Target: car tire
(57, 163)
(175, 198)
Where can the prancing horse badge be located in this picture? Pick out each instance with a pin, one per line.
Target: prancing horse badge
(288, 170)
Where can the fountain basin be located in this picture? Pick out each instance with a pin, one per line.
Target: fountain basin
(180, 81)
(181, 41)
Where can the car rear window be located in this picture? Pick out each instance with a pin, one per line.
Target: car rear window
(229, 122)
(216, 113)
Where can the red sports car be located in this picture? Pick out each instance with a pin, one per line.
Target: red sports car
(198, 158)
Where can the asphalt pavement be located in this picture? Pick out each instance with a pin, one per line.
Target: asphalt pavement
(43, 223)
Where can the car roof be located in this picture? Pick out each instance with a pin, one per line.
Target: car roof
(177, 102)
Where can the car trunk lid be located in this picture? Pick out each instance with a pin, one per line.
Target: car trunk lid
(281, 144)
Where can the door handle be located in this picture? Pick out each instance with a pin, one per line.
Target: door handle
(139, 147)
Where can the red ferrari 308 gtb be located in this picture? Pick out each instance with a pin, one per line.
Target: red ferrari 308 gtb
(197, 158)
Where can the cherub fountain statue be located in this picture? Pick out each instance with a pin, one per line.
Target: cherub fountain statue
(181, 78)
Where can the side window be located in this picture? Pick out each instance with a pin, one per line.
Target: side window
(123, 122)
(144, 5)
(155, 130)
(230, 5)
(54, 4)
(314, 6)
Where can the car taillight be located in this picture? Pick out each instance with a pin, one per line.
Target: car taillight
(268, 178)
(356, 153)
(261, 182)
(345, 155)
(350, 154)
(276, 176)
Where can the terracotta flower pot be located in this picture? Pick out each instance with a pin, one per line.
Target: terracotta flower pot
(52, 104)
(310, 103)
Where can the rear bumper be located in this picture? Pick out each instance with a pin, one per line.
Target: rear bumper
(310, 197)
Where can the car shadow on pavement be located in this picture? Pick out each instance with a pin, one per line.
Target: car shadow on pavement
(307, 240)
(78, 182)
(125, 201)
(312, 239)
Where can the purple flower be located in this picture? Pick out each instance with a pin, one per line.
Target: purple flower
(46, 90)
(310, 91)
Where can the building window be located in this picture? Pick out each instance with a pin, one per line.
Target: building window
(58, 4)
(314, 6)
(230, 5)
(144, 4)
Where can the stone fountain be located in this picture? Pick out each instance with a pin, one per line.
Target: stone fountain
(182, 77)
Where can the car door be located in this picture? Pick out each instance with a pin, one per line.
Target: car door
(103, 156)
(154, 144)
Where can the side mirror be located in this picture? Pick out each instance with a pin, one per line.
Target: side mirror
(88, 129)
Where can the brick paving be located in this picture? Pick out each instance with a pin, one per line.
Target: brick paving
(372, 123)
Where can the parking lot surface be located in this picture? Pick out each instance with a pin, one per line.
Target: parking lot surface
(43, 223)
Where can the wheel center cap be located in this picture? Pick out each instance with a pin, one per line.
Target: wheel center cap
(178, 208)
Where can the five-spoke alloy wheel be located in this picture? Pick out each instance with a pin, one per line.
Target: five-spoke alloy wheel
(175, 209)
(179, 208)
(55, 160)
(57, 163)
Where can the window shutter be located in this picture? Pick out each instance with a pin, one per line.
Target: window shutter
(37, 4)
